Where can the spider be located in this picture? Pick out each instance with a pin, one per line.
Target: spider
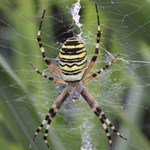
(72, 64)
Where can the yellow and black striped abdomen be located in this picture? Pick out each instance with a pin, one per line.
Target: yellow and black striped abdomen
(72, 60)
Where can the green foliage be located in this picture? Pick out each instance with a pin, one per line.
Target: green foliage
(21, 89)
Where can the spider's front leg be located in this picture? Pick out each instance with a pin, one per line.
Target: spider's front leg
(52, 112)
(97, 45)
(101, 70)
(42, 48)
(100, 114)
(47, 77)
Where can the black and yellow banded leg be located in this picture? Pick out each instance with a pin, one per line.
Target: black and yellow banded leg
(42, 48)
(101, 70)
(47, 77)
(109, 123)
(47, 129)
(48, 117)
(106, 130)
(52, 112)
(102, 121)
(100, 114)
(89, 99)
(97, 45)
(42, 124)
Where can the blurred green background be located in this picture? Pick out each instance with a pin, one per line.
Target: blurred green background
(122, 91)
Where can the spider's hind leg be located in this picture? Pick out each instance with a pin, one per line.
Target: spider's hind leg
(52, 112)
(41, 126)
(109, 123)
(103, 124)
(47, 129)
(100, 114)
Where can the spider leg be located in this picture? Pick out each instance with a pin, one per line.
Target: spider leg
(97, 45)
(93, 106)
(52, 112)
(42, 124)
(99, 71)
(46, 132)
(100, 114)
(47, 77)
(105, 128)
(109, 123)
(42, 48)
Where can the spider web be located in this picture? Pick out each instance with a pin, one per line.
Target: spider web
(122, 90)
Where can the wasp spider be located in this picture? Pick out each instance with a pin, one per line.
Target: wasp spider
(72, 64)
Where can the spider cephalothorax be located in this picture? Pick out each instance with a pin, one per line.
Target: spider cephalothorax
(74, 89)
(72, 63)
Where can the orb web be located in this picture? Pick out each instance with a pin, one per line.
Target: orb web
(27, 96)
